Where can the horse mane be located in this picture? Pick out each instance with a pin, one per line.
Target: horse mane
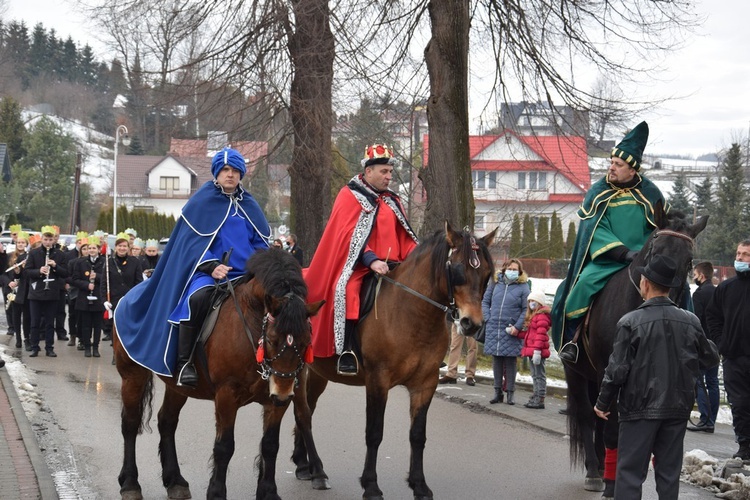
(280, 275)
(435, 248)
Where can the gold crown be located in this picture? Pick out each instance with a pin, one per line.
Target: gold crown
(95, 240)
(22, 235)
(81, 235)
(48, 230)
(378, 151)
(15, 228)
(122, 236)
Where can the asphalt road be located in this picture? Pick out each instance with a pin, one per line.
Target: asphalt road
(470, 453)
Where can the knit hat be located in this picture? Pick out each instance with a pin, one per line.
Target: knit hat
(231, 157)
(538, 297)
(378, 154)
(632, 145)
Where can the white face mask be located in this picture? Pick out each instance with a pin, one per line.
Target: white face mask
(532, 305)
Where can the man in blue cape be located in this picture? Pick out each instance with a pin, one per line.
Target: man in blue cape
(220, 216)
(617, 217)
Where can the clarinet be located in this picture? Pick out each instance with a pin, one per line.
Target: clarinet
(46, 264)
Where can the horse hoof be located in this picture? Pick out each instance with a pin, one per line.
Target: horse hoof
(593, 484)
(321, 483)
(178, 492)
(303, 474)
(131, 495)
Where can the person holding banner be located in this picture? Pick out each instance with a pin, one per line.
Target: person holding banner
(123, 272)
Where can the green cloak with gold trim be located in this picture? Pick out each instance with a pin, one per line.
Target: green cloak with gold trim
(610, 217)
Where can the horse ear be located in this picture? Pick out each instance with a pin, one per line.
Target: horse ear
(660, 215)
(312, 309)
(454, 238)
(489, 238)
(699, 226)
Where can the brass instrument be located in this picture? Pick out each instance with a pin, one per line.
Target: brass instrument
(46, 264)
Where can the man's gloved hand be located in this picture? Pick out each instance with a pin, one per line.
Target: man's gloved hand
(537, 357)
(630, 256)
(108, 306)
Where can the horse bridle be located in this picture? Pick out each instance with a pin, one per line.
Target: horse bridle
(266, 370)
(451, 309)
(660, 232)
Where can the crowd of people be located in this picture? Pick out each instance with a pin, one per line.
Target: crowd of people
(55, 292)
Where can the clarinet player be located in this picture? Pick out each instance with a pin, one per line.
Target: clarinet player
(46, 280)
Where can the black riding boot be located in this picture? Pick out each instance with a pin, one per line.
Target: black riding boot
(348, 363)
(569, 350)
(186, 374)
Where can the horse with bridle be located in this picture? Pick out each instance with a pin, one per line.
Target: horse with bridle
(592, 440)
(257, 352)
(404, 339)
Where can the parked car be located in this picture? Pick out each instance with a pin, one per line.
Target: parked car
(162, 245)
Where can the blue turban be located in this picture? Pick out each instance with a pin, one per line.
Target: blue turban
(228, 156)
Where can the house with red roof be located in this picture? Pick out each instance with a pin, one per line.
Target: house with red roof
(525, 174)
(164, 183)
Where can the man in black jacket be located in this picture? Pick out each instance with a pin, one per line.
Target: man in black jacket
(708, 382)
(728, 319)
(46, 280)
(658, 353)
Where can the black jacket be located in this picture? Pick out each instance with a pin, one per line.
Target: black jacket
(658, 353)
(18, 273)
(58, 273)
(728, 316)
(701, 298)
(124, 274)
(82, 268)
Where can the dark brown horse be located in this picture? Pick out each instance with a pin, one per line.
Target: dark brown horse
(404, 339)
(238, 373)
(589, 436)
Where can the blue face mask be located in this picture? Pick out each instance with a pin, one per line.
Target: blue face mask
(511, 275)
(741, 267)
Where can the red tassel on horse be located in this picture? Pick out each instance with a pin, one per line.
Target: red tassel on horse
(260, 355)
(309, 355)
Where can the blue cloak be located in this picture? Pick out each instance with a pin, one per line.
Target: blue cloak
(147, 317)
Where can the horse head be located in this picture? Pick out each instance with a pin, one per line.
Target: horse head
(285, 341)
(468, 270)
(674, 236)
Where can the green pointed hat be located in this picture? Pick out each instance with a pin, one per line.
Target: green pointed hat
(632, 145)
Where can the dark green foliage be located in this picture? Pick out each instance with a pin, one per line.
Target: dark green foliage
(135, 147)
(147, 224)
(12, 130)
(571, 240)
(704, 195)
(515, 237)
(556, 242)
(542, 239)
(680, 199)
(729, 213)
(528, 238)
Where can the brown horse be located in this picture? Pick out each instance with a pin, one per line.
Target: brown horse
(404, 339)
(235, 373)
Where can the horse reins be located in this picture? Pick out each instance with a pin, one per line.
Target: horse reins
(665, 232)
(451, 309)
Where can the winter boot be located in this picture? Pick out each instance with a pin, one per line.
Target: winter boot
(532, 401)
(498, 396)
(510, 400)
(87, 351)
(95, 351)
(569, 353)
(537, 405)
(348, 363)
(186, 373)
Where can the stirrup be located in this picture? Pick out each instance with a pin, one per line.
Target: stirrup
(181, 374)
(569, 358)
(356, 364)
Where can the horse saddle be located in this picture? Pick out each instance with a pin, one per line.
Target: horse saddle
(369, 291)
(218, 296)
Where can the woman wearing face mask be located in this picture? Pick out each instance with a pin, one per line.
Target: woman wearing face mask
(504, 309)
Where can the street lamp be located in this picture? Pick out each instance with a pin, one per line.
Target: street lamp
(126, 143)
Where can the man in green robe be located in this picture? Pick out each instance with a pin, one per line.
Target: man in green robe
(617, 217)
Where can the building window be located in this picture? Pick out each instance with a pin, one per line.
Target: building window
(169, 183)
(482, 179)
(492, 180)
(536, 181)
(479, 222)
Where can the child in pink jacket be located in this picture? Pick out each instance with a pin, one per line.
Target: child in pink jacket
(536, 345)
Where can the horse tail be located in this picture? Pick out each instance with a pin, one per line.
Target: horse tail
(581, 422)
(145, 405)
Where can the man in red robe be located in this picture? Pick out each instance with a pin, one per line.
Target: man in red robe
(366, 230)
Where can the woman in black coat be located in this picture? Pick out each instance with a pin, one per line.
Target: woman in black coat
(19, 286)
(125, 271)
(87, 274)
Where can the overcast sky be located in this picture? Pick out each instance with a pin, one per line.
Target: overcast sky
(712, 72)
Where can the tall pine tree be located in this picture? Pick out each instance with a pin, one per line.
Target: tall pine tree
(528, 237)
(730, 212)
(542, 238)
(570, 242)
(556, 242)
(515, 237)
(680, 199)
